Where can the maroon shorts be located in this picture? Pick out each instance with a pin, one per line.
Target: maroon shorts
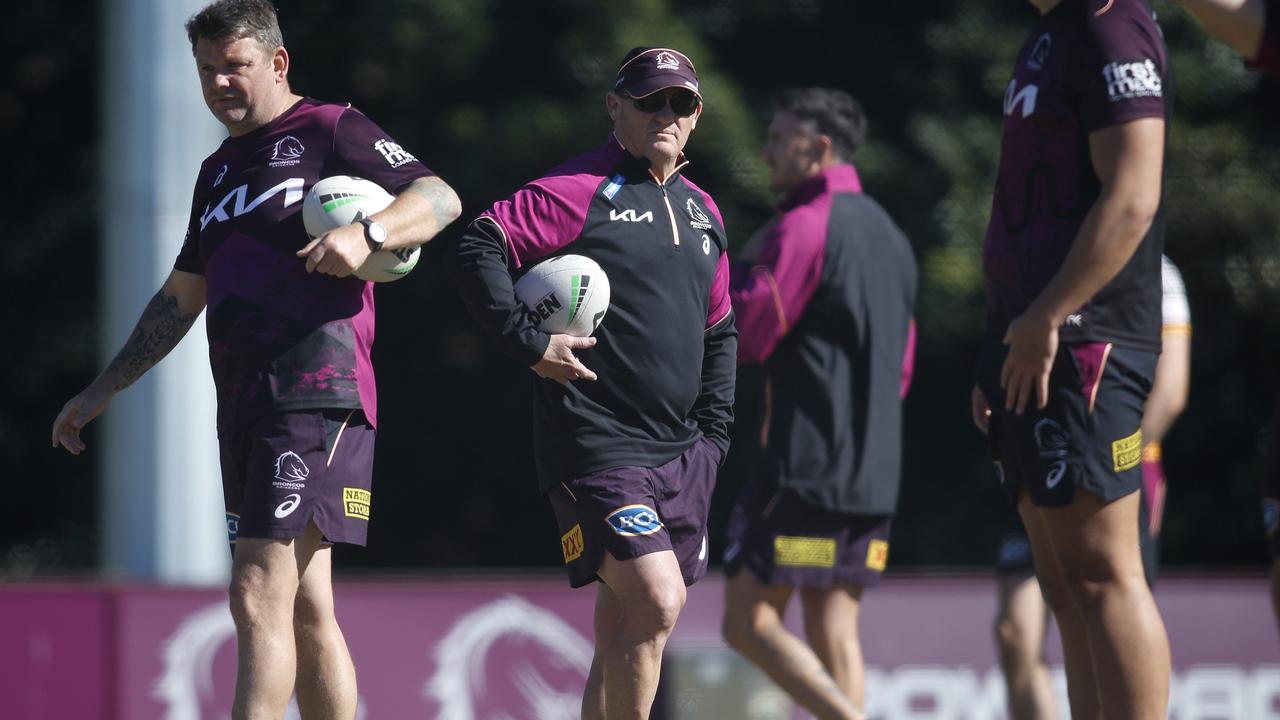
(784, 540)
(286, 469)
(634, 511)
(1089, 433)
(1013, 558)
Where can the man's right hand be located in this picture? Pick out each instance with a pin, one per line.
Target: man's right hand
(77, 413)
(560, 364)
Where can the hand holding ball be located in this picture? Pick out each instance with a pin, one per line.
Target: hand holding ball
(340, 200)
(566, 294)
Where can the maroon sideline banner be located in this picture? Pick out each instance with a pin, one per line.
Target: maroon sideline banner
(518, 647)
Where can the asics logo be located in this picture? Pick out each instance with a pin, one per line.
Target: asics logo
(291, 503)
(1056, 472)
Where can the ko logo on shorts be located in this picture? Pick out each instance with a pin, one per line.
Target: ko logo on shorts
(233, 527)
(634, 520)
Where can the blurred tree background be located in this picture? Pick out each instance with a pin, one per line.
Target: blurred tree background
(490, 93)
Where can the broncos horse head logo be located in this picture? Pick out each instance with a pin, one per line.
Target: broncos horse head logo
(288, 148)
(290, 468)
(543, 658)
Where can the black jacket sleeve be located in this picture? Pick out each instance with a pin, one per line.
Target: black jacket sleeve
(478, 266)
(713, 410)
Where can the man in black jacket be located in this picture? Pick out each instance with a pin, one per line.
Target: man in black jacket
(630, 435)
(827, 310)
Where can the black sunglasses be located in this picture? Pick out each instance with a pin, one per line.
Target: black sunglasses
(683, 104)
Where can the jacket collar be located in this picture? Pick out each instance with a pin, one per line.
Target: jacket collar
(841, 177)
(639, 167)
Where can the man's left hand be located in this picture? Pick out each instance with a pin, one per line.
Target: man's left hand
(338, 252)
(1033, 343)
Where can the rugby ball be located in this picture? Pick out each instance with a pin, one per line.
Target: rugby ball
(566, 294)
(341, 200)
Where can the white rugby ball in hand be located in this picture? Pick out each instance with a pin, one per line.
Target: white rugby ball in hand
(566, 294)
(340, 200)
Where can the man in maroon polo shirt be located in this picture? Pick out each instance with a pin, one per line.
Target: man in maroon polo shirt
(290, 331)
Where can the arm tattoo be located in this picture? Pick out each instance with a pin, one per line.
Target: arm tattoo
(158, 331)
(444, 202)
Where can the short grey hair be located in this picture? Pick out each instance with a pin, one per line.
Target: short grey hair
(237, 19)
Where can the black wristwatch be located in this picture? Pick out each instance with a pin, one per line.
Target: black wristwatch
(374, 233)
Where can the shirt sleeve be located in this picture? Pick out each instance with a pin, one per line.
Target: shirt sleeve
(478, 265)
(365, 150)
(908, 360)
(189, 259)
(713, 409)
(542, 217)
(769, 297)
(1121, 67)
(537, 220)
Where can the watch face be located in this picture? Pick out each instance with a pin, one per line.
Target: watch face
(376, 233)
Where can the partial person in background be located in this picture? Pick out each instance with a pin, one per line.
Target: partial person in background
(1251, 27)
(1072, 268)
(827, 310)
(632, 424)
(1022, 617)
(290, 331)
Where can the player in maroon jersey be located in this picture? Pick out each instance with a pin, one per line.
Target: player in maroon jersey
(1072, 265)
(290, 330)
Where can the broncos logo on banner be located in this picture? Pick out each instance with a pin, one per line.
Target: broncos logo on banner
(187, 686)
(479, 648)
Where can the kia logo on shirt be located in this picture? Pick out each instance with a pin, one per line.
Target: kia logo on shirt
(631, 216)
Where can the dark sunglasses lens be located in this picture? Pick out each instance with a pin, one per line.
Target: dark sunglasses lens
(683, 104)
(650, 103)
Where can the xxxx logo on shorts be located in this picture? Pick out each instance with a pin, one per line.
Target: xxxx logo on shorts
(571, 544)
(877, 555)
(634, 520)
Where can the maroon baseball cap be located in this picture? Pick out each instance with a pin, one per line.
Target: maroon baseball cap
(646, 70)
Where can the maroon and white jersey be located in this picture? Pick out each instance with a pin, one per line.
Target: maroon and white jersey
(1087, 65)
(280, 338)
